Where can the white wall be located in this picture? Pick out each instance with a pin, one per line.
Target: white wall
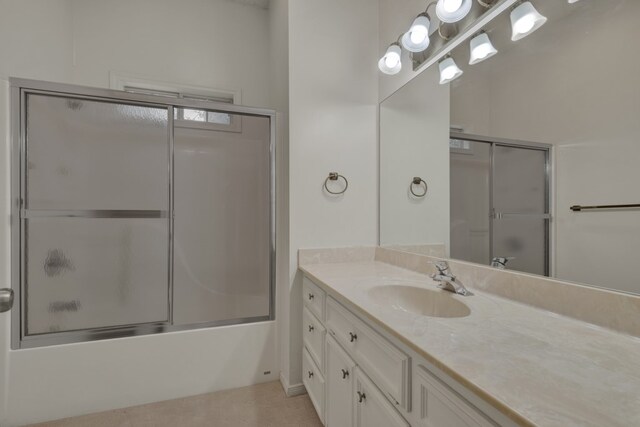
(333, 81)
(219, 43)
(42, 28)
(414, 141)
(279, 48)
(205, 43)
(559, 86)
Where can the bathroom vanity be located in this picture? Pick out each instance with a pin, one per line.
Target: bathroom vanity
(383, 346)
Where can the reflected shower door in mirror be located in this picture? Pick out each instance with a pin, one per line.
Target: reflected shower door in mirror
(500, 204)
(573, 86)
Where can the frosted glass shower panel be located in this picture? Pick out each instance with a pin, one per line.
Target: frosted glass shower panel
(95, 272)
(87, 154)
(470, 201)
(521, 219)
(222, 243)
(520, 180)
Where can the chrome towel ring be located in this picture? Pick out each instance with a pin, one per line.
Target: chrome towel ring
(418, 181)
(333, 176)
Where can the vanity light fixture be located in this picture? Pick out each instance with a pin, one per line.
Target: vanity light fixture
(391, 62)
(417, 38)
(450, 11)
(481, 48)
(449, 70)
(525, 19)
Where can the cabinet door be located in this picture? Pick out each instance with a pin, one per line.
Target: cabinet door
(339, 383)
(442, 407)
(371, 408)
(314, 383)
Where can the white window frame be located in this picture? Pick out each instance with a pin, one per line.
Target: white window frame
(129, 82)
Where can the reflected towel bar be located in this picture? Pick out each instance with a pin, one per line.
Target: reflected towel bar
(578, 208)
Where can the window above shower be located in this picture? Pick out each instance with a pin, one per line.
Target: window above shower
(186, 117)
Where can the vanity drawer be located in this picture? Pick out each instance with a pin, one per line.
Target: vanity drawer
(313, 334)
(441, 406)
(383, 362)
(313, 382)
(313, 298)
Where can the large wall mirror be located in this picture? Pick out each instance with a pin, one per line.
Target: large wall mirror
(531, 157)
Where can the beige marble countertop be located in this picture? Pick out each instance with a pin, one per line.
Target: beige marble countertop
(536, 367)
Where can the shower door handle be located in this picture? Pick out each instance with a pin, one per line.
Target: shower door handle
(6, 299)
(504, 215)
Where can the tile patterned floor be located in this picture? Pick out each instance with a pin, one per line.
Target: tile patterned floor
(262, 405)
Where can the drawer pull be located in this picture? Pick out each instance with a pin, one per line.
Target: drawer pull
(361, 397)
(352, 337)
(311, 296)
(345, 374)
(310, 374)
(311, 328)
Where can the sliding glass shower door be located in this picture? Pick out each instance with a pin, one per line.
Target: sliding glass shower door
(222, 229)
(500, 203)
(137, 214)
(520, 217)
(95, 223)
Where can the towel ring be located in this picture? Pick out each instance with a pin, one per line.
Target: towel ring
(333, 176)
(418, 181)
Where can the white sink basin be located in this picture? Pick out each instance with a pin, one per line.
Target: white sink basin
(426, 302)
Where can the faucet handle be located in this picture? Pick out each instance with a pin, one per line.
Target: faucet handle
(501, 261)
(442, 266)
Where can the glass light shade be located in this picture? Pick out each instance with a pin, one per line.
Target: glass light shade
(449, 70)
(481, 48)
(449, 11)
(417, 38)
(525, 19)
(391, 62)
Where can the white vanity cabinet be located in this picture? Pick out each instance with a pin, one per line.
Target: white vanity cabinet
(440, 406)
(358, 377)
(371, 408)
(339, 386)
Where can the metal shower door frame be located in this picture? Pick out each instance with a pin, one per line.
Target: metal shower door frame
(547, 217)
(19, 89)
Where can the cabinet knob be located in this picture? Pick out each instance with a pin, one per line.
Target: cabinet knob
(310, 374)
(345, 374)
(361, 397)
(311, 328)
(311, 296)
(352, 336)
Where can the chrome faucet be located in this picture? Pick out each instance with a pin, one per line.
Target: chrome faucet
(447, 280)
(501, 262)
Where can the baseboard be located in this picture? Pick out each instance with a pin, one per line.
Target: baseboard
(292, 390)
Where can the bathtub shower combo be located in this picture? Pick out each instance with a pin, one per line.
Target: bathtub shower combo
(137, 214)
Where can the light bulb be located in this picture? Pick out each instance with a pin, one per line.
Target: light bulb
(525, 19)
(391, 60)
(525, 24)
(449, 70)
(482, 51)
(450, 11)
(481, 48)
(418, 37)
(451, 5)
